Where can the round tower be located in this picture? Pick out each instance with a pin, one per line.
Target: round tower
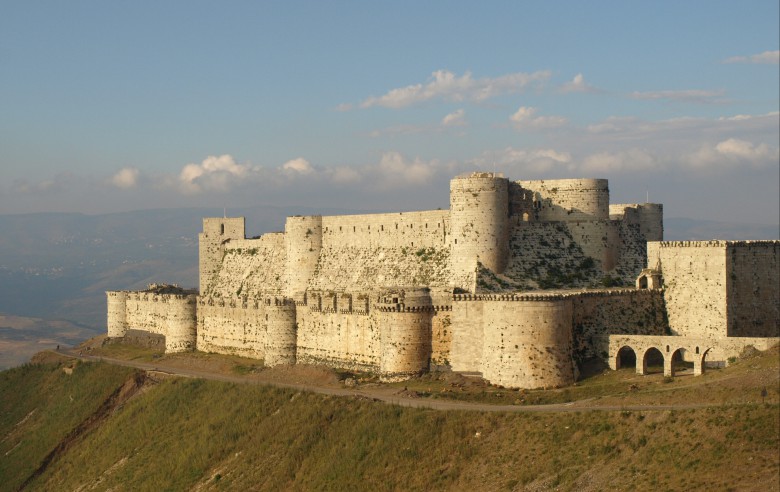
(527, 344)
(181, 332)
(651, 221)
(479, 223)
(281, 336)
(117, 313)
(405, 319)
(303, 241)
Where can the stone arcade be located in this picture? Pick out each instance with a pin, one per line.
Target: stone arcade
(517, 281)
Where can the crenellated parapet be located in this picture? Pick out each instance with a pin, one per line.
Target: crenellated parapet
(336, 302)
(550, 296)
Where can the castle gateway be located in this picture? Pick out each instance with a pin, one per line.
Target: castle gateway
(517, 281)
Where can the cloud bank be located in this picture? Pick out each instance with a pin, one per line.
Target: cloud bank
(447, 86)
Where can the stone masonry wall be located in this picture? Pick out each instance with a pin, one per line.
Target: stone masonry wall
(339, 331)
(621, 311)
(527, 344)
(753, 288)
(227, 327)
(570, 199)
(172, 316)
(216, 232)
(694, 279)
(251, 268)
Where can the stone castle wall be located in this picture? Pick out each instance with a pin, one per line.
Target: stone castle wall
(570, 200)
(338, 330)
(753, 288)
(383, 292)
(621, 311)
(251, 268)
(216, 233)
(170, 315)
(227, 327)
(532, 340)
(694, 274)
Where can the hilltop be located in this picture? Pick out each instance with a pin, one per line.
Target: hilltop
(72, 425)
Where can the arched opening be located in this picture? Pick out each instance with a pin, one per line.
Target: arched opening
(711, 364)
(625, 357)
(221, 229)
(525, 217)
(681, 361)
(653, 361)
(642, 282)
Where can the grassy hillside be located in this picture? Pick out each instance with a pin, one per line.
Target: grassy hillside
(104, 427)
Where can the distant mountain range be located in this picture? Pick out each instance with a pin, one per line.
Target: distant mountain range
(57, 266)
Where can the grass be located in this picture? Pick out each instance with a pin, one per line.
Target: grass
(184, 433)
(40, 404)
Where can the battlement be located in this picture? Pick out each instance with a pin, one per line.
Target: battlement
(717, 243)
(552, 296)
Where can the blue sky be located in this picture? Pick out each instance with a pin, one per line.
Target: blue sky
(113, 106)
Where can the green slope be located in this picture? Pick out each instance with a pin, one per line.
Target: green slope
(180, 434)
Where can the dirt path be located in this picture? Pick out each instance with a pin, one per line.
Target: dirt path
(388, 395)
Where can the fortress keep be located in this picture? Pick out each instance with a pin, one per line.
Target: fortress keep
(518, 281)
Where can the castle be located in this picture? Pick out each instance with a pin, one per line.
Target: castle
(518, 281)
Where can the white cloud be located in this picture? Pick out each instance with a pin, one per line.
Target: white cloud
(523, 162)
(692, 96)
(766, 58)
(611, 162)
(214, 173)
(396, 169)
(344, 175)
(447, 86)
(578, 84)
(125, 178)
(456, 118)
(525, 118)
(734, 152)
(298, 166)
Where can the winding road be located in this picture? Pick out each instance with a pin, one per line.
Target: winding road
(386, 397)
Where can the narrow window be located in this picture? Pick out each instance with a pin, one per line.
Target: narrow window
(382, 227)
(221, 229)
